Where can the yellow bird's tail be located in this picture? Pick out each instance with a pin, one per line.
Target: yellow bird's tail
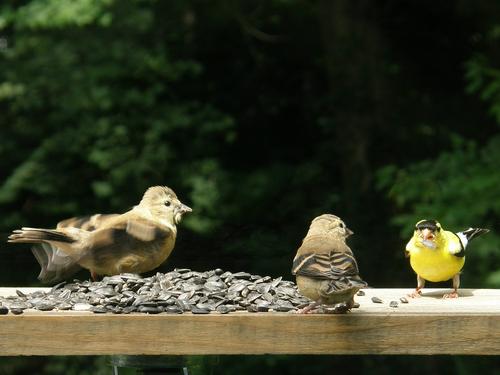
(469, 234)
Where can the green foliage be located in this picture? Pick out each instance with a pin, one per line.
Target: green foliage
(102, 104)
(460, 186)
(483, 77)
(459, 189)
(260, 115)
(485, 80)
(61, 13)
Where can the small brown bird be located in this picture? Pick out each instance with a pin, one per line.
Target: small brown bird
(325, 266)
(137, 241)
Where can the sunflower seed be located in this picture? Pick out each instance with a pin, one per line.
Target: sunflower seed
(196, 310)
(174, 292)
(82, 307)
(149, 310)
(223, 309)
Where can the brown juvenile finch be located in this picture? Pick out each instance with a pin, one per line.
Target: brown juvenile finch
(137, 241)
(325, 266)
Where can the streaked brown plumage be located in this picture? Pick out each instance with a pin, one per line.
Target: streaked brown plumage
(136, 241)
(325, 266)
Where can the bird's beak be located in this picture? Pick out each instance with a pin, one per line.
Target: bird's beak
(180, 211)
(183, 209)
(349, 232)
(427, 235)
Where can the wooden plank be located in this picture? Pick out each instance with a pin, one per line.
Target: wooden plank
(427, 325)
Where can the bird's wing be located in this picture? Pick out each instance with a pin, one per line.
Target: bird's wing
(131, 229)
(410, 246)
(329, 260)
(457, 242)
(57, 265)
(125, 235)
(325, 266)
(54, 263)
(468, 235)
(88, 223)
(454, 244)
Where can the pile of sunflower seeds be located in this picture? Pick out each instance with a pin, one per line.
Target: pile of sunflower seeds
(181, 290)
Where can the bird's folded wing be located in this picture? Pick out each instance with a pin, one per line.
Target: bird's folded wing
(455, 245)
(333, 265)
(410, 246)
(128, 234)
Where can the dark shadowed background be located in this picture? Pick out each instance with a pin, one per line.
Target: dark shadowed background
(260, 115)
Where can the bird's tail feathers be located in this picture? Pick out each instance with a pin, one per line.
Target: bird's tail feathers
(54, 263)
(358, 282)
(347, 282)
(37, 235)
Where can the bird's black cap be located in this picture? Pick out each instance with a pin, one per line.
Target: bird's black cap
(427, 224)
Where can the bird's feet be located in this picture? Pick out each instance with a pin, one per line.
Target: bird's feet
(309, 309)
(454, 294)
(416, 294)
(339, 308)
(316, 308)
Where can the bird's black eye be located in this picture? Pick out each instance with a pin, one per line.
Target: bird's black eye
(342, 225)
(167, 203)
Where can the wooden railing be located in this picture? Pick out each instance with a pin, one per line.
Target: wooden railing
(426, 325)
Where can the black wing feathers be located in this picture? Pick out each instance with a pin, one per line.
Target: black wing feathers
(331, 265)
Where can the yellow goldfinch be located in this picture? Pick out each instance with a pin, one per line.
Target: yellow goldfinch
(438, 255)
(136, 241)
(325, 266)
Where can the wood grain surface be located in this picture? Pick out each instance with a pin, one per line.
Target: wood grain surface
(426, 325)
